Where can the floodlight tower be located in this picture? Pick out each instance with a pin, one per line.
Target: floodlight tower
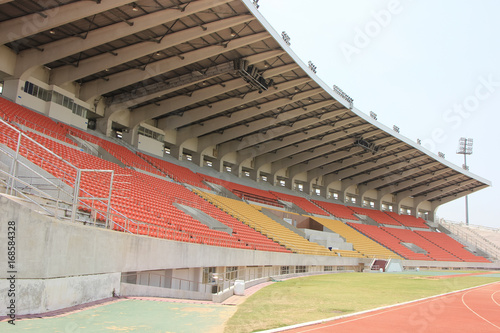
(465, 148)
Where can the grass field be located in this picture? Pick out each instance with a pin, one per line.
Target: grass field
(312, 298)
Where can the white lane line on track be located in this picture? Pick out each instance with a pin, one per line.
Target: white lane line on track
(493, 298)
(474, 312)
(374, 314)
(314, 324)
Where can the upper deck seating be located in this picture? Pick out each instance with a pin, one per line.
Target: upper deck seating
(174, 171)
(389, 241)
(376, 215)
(364, 245)
(16, 113)
(409, 220)
(301, 202)
(337, 210)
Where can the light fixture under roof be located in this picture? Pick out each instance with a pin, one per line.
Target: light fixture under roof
(134, 7)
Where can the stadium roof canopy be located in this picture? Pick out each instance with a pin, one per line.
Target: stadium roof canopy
(214, 75)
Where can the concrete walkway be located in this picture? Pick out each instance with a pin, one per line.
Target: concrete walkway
(135, 314)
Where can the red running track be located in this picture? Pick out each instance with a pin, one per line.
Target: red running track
(474, 310)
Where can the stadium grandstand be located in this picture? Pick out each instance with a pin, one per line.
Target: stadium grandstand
(172, 148)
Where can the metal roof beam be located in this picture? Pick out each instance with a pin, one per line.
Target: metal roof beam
(270, 151)
(306, 151)
(253, 140)
(379, 184)
(155, 90)
(414, 191)
(320, 159)
(237, 116)
(252, 146)
(104, 61)
(254, 126)
(178, 102)
(374, 174)
(129, 77)
(442, 192)
(441, 201)
(44, 20)
(32, 58)
(202, 112)
(347, 162)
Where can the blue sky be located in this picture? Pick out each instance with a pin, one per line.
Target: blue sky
(430, 67)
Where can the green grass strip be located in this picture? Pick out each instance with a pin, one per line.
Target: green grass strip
(318, 297)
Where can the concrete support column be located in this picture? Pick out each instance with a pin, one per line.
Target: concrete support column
(12, 88)
(176, 152)
(254, 175)
(104, 126)
(218, 165)
(198, 158)
(132, 137)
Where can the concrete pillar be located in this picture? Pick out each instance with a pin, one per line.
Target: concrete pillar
(254, 175)
(197, 159)
(176, 152)
(132, 137)
(12, 88)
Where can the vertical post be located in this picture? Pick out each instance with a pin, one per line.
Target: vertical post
(109, 199)
(465, 148)
(76, 194)
(13, 166)
(466, 197)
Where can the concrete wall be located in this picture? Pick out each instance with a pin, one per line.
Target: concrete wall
(128, 289)
(150, 145)
(43, 295)
(51, 248)
(61, 264)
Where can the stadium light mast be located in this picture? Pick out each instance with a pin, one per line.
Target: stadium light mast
(465, 148)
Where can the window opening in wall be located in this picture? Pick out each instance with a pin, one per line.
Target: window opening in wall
(285, 270)
(300, 269)
(151, 134)
(231, 273)
(56, 97)
(208, 275)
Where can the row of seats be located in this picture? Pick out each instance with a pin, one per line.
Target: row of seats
(409, 220)
(303, 203)
(391, 242)
(449, 244)
(376, 215)
(364, 245)
(150, 201)
(337, 210)
(408, 236)
(262, 223)
(176, 172)
(16, 113)
(245, 192)
(147, 200)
